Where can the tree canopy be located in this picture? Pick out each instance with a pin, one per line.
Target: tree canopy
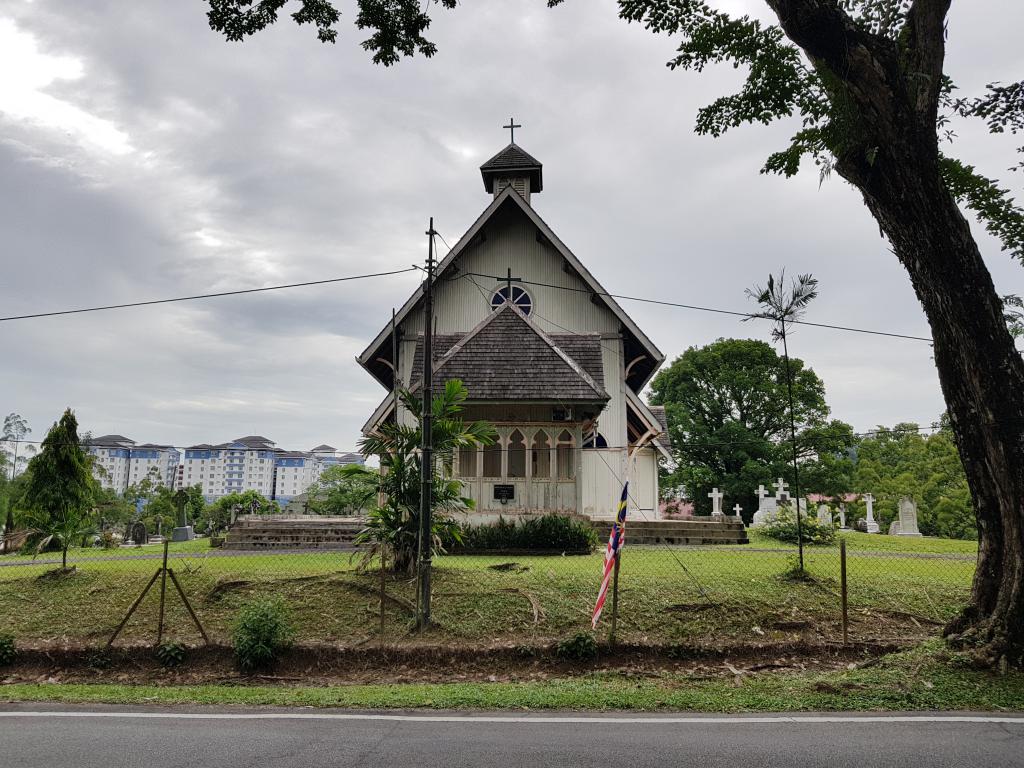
(728, 415)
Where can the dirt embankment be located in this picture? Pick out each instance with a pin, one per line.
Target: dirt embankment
(327, 666)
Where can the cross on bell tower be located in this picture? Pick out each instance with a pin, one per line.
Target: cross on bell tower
(512, 125)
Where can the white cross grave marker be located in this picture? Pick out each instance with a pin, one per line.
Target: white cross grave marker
(869, 501)
(781, 490)
(716, 497)
(737, 509)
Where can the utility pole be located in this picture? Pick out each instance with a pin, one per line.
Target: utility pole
(426, 436)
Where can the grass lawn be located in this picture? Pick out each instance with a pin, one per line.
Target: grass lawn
(923, 678)
(899, 590)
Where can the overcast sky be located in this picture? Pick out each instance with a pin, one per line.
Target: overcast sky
(142, 156)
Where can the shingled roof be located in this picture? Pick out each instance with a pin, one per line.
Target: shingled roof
(513, 161)
(507, 357)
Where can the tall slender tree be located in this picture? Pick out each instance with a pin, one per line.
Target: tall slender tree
(784, 307)
(60, 491)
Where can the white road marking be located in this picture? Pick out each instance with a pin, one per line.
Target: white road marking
(531, 720)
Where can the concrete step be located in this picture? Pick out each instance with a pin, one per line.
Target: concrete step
(679, 532)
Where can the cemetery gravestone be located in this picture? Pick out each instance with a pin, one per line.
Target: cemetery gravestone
(139, 534)
(824, 515)
(737, 509)
(842, 517)
(183, 531)
(716, 497)
(871, 526)
(766, 507)
(908, 518)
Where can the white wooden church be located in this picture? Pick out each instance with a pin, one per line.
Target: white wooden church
(547, 357)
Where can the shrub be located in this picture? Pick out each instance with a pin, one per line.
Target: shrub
(171, 654)
(7, 650)
(580, 647)
(107, 540)
(262, 630)
(783, 528)
(550, 532)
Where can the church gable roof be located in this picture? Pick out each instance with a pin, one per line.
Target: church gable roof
(506, 357)
(637, 341)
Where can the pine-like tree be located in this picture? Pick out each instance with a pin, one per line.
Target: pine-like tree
(60, 489)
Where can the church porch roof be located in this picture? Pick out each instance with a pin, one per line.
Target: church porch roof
(508, 358)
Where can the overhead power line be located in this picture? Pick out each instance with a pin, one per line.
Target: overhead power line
(207, 295)
(699, 308)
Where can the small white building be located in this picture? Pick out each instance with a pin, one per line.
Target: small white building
(547, 356)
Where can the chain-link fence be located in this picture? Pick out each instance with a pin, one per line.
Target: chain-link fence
(899, 589)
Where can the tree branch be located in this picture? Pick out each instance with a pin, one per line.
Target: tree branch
(926, 51)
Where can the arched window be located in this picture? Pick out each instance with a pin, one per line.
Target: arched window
(566, 456)
(520, 298)
(467, 461)
(540, 455)
(516, 454)
(492, 459)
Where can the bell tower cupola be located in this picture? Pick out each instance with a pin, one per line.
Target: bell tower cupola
(513, 167)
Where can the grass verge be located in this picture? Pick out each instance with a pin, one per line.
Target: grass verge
(924, 678)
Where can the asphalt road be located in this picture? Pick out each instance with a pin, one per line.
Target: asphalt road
(51, 736)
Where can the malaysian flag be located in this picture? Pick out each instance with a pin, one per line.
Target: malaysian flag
(616, 539)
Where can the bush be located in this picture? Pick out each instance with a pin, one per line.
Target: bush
(550, 532)
(783, 528)
(7, 650)
(107, 540)
(171, 654)
(580, 647)
(262, 630)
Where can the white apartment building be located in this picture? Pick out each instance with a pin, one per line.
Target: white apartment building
(121, 462)
(241, 465)
(146, 458)
(298, 470)
(112, 454)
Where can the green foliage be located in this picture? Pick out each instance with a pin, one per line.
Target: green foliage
(728, 415)
(262, 631)
(901, 461)
(217, 516)
(7, 650)
(107, 540)
(558, 533)
(780, 84)
(393, 528)
(171, 654)
(580, 647)
(397, 26)
(60, 489)
(348, 489)
(784, 528)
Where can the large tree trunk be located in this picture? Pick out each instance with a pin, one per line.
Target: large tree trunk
(891, 155)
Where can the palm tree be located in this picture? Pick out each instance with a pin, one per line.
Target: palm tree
(393, 526)
(65, 527)
(785, 307)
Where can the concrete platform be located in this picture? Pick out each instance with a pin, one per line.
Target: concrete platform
(679, 532)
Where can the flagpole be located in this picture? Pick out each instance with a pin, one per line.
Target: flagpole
(615, 597)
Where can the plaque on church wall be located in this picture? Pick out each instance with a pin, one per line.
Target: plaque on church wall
(504, 492)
